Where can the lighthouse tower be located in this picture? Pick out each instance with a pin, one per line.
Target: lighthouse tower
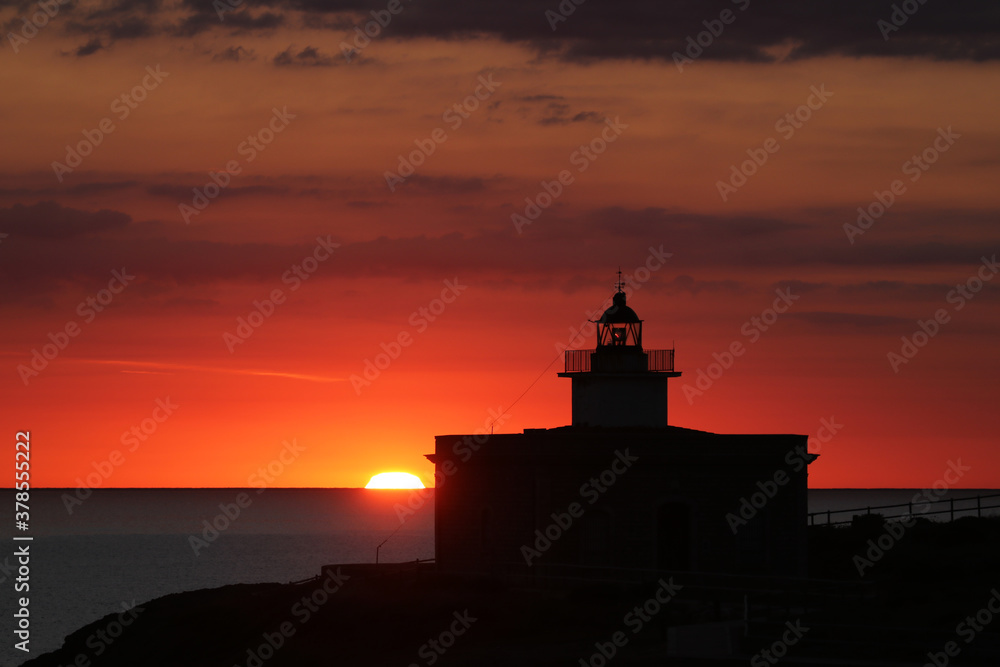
(619, 384)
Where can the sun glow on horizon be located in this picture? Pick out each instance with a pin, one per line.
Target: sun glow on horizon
(395, 480)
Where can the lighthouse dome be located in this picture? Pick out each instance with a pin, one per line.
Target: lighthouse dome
(619, 313)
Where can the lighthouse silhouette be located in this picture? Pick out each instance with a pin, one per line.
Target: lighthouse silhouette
(620, 492)
(619, 384)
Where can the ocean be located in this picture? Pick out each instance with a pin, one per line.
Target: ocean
(124, 546)
(121, 546)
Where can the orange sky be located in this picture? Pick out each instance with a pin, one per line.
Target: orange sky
(392, 253)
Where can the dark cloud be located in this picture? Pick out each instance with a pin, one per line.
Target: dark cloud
(90, 48)
(588, 116)
(447, 184)
(234, 54)
(51, 246)
(184, 193)
(630, 222)
(133, 28)
(637, 29)
(686, 283)
(206, 17)
(555, 110)
(120, 7)
(307, 57)
(539, 98)
(894, 290)
(80, 189)
(108, 31)
(559, 113)
(885, 292)
(561, 117)
(246, 21)
(802, 286)
(51, 221)
(761, 241)
(189, 303)
(648, 29)
(837, 320)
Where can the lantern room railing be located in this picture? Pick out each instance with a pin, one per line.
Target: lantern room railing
(661, 360)
(579, 361)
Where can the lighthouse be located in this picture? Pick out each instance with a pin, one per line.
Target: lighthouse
(619, 491)
(618, 384)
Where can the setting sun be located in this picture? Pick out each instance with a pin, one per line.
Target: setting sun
(395, 480)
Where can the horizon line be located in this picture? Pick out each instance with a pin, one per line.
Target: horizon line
(305, 488)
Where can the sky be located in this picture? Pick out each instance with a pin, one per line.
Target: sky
(248, 236)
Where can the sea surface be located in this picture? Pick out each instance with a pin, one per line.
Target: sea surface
(124, 546)
(133, 545)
